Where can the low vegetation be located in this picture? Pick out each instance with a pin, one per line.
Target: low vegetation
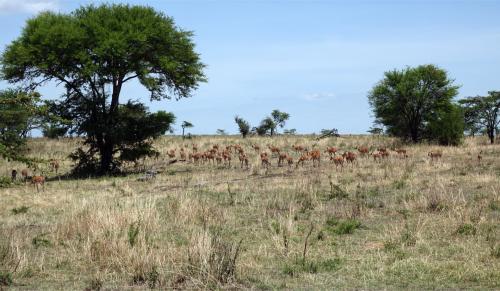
(404, 221)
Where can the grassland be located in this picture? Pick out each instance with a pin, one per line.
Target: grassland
(396, 224)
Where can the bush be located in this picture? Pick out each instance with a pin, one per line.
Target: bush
(447, 128)
(342, 227)
(5, 278)
(19, 210)
(466, 229)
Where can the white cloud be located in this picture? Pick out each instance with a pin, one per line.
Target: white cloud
(28, 6)
(318, 96)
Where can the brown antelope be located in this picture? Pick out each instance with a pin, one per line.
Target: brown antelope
(256, 148)
(304, 157)
(218, 158)
(401, 153)
(350, 157)
(377, 155)
(479, 157)
(298, 148)
(436, 155)
(54, 165)
(243, 160)
(182, 154)
(315, 157)
(331, 151)
(338, 161)
(384, 154)
(281, 159)
(226, 156)
(38, 180)
(289, 160)
(264, 158)
(273, 149)
(171, 153)
(24, 174)
(382, 150)
(363, 150)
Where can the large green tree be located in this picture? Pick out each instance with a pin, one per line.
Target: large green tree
(94, 51)
(482, 112)
(406, 101)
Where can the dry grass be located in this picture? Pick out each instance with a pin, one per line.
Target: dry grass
(398, 223)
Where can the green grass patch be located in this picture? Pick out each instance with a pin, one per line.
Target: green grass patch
(342, 226)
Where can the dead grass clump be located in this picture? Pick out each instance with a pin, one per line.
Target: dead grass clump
(212, 259)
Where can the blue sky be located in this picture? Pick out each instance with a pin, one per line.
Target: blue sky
(315, 59)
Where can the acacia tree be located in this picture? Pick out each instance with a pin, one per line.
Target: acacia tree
(184, 125)
(407, 100)
(279, 118)
(243, 126)
(94, 51)
(483, 112)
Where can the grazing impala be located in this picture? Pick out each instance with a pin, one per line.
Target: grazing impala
(38, 180)
(315, 157)
(54, 165)
(363, 150)
(338, 161)
(331, 151)
(435, 155)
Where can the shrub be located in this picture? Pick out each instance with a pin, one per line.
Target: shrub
(466, 229)
(342, 227)
(5, 278)
(19, 210)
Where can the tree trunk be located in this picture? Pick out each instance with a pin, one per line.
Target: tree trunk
(491, 135)
(183, 133)
(106, 153)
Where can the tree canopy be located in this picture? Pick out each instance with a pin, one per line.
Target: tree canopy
(243, 126)
(482, 112)
(407, 101)
(93, 52)
(20, 112)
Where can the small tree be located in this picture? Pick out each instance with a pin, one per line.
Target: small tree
(184, 125)
(291, 131)
(243, 126)
(221, 132)
(266, 126)
(279, 118)
(20, 113)
(482, 112)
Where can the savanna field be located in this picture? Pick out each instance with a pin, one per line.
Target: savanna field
(393, 223)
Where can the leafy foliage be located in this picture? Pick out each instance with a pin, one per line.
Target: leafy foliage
(243, 126)
(447, 127)
(135, 129)
(482, 112)
(93, 52)
(184, 125)
(406, 100)
(20, 112)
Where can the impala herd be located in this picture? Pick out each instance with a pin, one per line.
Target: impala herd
(223, 156)
(297, 155)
